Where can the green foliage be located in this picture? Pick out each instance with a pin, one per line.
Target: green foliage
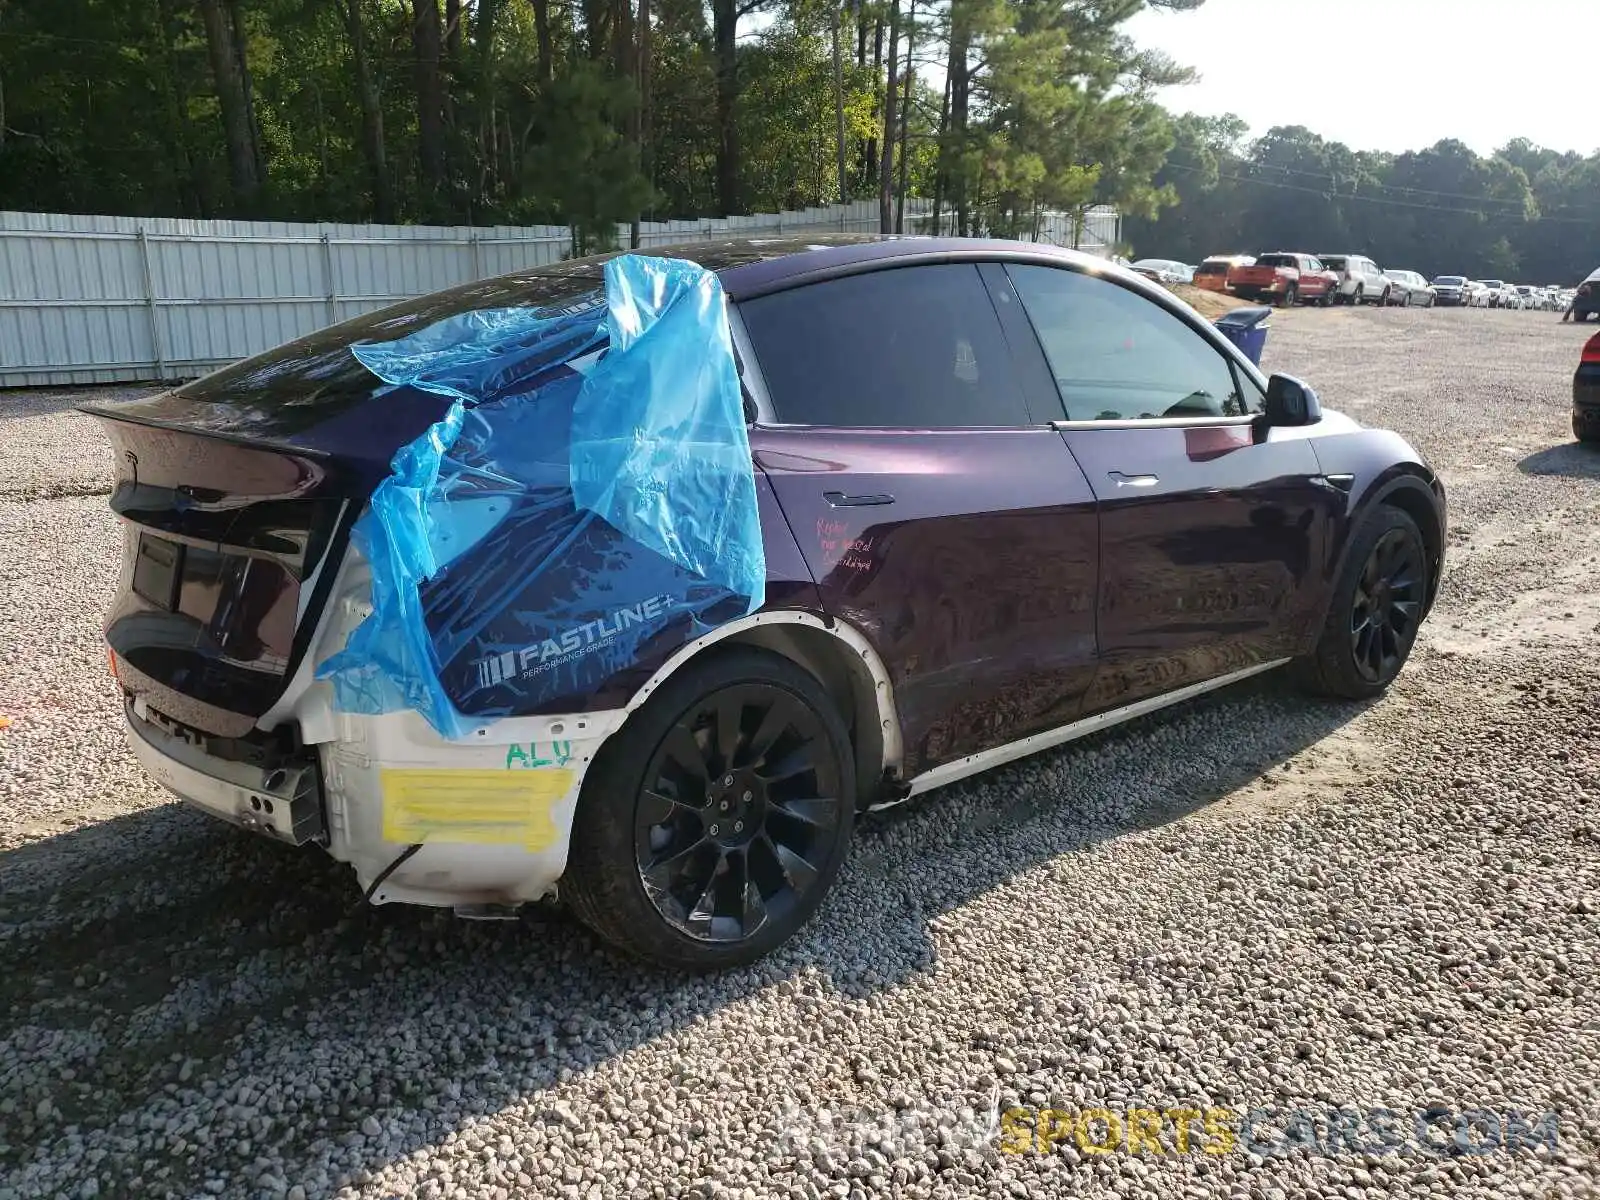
(1523, 213)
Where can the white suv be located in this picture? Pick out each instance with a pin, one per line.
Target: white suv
(1360, 280)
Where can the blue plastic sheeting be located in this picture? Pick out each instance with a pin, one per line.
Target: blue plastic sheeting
(569, 514)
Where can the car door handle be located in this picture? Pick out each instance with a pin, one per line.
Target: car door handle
(840, 500)
(1122, 480)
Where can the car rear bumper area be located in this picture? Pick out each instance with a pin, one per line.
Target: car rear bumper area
(279, 796)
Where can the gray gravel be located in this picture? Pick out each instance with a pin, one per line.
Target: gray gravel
(1252, 902)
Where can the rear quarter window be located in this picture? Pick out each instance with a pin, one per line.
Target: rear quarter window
(910, 347)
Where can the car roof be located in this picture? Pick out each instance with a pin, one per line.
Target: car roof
(750, 267)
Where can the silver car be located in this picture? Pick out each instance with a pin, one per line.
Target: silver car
(1407, 288)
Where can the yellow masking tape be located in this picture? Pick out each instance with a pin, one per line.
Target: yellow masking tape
(486, 808)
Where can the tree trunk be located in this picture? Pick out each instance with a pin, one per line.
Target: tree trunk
(891, 94)
(869, 163)
(958, 78)
(187, 187)
(941, 172)
(541, 33)
(724, 30)
(240, 53)
(372, 143)
(838, 105)
(646, 157)
(453, 20)
(483, 98)
(427, 41)
(905, 118)
(597, 28)
(242, 158)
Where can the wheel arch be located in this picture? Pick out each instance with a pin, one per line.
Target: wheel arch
(1412, 492)
(834, 652)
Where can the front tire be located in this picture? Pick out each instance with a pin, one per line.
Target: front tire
(1376, 609)
(712, 824)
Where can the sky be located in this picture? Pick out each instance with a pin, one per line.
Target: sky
(1391, 75)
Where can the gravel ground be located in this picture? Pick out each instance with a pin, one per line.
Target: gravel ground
(1254, 902)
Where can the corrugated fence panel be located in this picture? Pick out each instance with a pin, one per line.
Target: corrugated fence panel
(97, 299)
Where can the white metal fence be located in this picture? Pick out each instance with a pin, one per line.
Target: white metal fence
(88, 299)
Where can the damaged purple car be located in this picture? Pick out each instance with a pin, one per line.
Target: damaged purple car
(510, 592)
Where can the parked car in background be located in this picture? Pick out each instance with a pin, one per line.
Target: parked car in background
(1284, 277)
(1586, 299)
(1477, 296)
(1408, 288)
(1586, 393)
(1494, 292)
(1212, 274)
(1164, 270)
(1450, 290)
(1359, 279)
(1528, 296)
(943, 435)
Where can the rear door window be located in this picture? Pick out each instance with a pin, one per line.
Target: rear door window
(1117, 356)
(910, 347)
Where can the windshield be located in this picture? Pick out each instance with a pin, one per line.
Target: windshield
(1494, 283)
(1276, 260)
(1450, 280)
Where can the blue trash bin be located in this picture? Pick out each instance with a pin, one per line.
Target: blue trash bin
(1247, 329)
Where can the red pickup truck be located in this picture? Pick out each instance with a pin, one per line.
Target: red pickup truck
(1284, 278)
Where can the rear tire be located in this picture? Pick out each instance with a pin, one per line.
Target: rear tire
(1358, 298)
(646, 871)
(1584, 433)
(1376, 609)
(1290, 295)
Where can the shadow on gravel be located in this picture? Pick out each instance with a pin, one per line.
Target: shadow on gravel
(1573, 460)
(162, 964)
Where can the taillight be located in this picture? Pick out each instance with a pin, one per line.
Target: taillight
(1591, 349)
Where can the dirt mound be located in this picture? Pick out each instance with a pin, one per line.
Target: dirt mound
(1209, 305)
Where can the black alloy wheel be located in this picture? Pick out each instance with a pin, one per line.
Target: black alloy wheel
(740, 804)
(713, 822)
(1387, 607)
(1375, 610)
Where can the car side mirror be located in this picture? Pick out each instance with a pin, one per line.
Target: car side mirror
(1290, 402)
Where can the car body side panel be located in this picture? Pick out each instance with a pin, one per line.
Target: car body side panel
(789, 586)
(1212, 545)
(969, 562)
